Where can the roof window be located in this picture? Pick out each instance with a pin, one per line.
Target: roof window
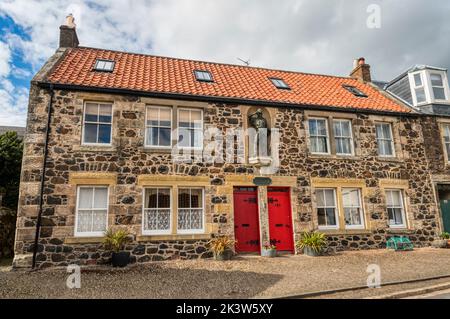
(280, 84)
(355, 91)
(104, 65)
(203, 76)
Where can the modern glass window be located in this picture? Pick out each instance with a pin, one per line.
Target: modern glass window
(327, 208)
(190, 128)
(343, 137)
(446, 131)
(395, 208)
(190, 210)
(203, 76)
(353, 212)
(385, 140)
(437, 84)
(157, 211)
(104, 65)
(279, 83)
(97, 125)
(354, 90)
(318, 136)
(92, 211)
(419, 88)
(158, 127)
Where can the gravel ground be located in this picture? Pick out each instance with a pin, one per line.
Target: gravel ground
(243, 277)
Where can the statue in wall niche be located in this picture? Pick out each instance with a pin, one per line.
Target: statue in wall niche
(258, 141)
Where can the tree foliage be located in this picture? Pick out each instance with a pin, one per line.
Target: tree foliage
(11, 148)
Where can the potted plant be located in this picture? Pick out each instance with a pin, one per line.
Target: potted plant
(312, 243)
(115, 241)
(446, 236)
(222, 247)
(269, 250)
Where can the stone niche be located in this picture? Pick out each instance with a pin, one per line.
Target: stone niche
(259, 138)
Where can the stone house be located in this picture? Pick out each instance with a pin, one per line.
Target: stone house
(129, 144)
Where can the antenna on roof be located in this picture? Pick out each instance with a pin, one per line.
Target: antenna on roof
(247, 63)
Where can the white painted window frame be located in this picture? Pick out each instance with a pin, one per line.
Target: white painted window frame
(144, 209)
(191, 231)
(91, 234)
(403, 208)
(386, 139)
(426, 84)
(327, 136)
(97, 123)
(352, 148)
(157, 107)
(195, 148)
(336, 209)
(361, 208)
(446, 132)
(444, 86)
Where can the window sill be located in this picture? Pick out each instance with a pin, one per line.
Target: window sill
(147, 238)
(399, 231)
(334, 232)
(83, 240)
(390, 159)
(156, 150)
(94, 148)
(335, 157)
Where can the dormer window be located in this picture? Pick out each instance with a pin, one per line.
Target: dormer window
(437, 84)
(419, 88)
(104, 65)
(203, 76)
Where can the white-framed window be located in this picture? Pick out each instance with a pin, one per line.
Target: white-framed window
(318, 136)
(92, 211)
(385, 140)
(395, 208)
(190, 128)
(419, 87)
(191, 212)
(97, 123)
(438, 87)
(327, 211)
(343, 137)
(158, 127)
(157, 219)
(353, 211)
(446, 132)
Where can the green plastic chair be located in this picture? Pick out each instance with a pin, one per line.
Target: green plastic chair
(399, 244)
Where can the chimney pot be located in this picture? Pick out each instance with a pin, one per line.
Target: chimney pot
(361, 61)
(70, 21)
(361, 70)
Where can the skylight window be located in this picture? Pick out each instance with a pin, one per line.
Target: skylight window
(203, 76)
(354, 91)
(104, 65)
(279, 83)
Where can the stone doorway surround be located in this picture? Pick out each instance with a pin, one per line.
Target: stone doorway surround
(232, 181)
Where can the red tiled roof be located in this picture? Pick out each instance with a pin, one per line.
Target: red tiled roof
(170, 75)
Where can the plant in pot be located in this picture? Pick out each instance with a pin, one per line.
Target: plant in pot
(115, 241)
(222, 247)
(269, 250)
(446, 236)
(312, 243)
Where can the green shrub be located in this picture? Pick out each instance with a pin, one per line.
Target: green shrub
(314, 240)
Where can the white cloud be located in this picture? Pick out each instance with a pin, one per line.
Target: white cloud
(318, 36)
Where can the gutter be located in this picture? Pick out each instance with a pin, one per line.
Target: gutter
(42, 181)
(215, 99)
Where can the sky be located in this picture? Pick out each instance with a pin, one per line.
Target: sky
(316, 36)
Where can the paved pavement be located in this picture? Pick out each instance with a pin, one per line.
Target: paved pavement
(443, 294)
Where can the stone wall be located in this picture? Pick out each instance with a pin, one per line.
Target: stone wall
(7, 231)
(128, 159)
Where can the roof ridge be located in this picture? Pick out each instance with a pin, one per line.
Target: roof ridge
(218, 63)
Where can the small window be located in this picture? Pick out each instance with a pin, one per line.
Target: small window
(326, 208)
(203, 76)
(158, 127)
(97, 123)
(279, 83)
(104, 65)
(343, 137)
(190, 210)
(446, 131)
(318, 136)
(355, 91)
(385, 141)
(395, 208)
(351, 198)
(438, 86)
(92, 211)
(157, 211)
(190, 128)
(419, 88)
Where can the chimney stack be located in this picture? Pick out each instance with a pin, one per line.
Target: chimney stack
(68, 33)
(361, 70)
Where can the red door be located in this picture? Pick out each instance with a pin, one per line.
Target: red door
(246, 219)
(280, 220)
